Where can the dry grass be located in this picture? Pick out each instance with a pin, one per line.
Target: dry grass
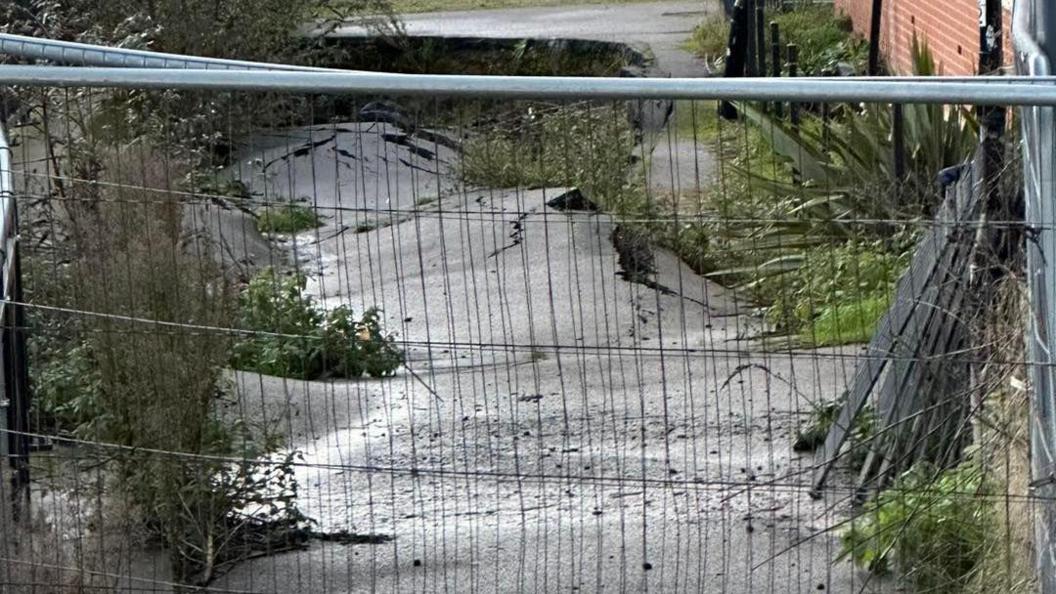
(69, 546)
(1003, 434)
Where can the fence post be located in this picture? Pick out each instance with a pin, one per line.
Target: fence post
(14, 371)
(775, 59)
(760, 37)
(735, 54)
(16, 390)
(793, 71)
(874, 38)
(750, 54)
(898, 140)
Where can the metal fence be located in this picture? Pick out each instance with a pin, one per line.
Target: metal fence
(310, 331)
(1039, 126)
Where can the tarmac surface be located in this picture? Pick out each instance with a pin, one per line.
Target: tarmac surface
(662, 27)
(579, 411)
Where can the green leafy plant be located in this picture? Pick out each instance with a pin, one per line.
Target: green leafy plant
(294, 337)
(931, 524)
(67, 392)
(845, 169)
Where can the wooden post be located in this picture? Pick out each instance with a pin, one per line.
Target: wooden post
(992, 130)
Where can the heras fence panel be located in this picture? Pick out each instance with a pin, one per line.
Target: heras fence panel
(328, 333)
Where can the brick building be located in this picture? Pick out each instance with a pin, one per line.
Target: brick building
(951, 28)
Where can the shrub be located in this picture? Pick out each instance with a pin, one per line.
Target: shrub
(153, 390)
(240, 29)
(299, 339)
(289, 218)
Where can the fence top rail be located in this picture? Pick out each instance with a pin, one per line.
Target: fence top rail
(85, 54)
(521, 87)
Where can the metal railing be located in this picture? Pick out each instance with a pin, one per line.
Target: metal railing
(84, 54)
(804, 90)
(1038, 124)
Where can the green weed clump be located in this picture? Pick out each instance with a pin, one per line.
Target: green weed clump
(67, 389)
(932, 525)
(287, 219)
(812, 434)
(711, 37)
(298, 339)
(831, 294)
(589, 148)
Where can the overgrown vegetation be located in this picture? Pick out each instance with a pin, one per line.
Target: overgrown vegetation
(931, 524)
(295, 338)
(507, 57)
(153, 393)
(239, 29)
(819, 245)
(967, 526)
(236, 29)
(825, 39)
(141, 380)
(288, 218)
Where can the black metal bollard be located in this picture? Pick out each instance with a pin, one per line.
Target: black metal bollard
(760, 37)
(736, 54)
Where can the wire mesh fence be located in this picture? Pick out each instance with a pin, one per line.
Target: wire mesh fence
(285, 342)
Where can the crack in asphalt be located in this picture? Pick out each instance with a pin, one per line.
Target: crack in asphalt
(517, 236)
(405, 141)
(301, 151)
(637, 264)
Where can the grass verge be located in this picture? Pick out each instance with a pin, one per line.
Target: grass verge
(824, 38)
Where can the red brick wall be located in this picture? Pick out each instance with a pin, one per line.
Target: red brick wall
(951, 28)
